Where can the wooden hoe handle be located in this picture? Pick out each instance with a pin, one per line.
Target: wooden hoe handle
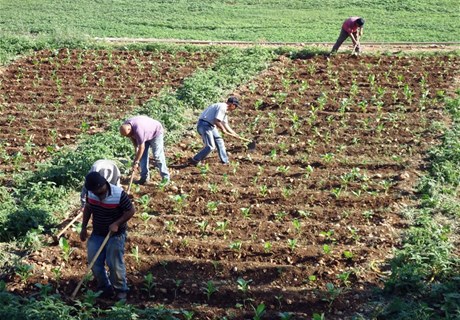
(70, 223)
(107, 237)
(130, 182)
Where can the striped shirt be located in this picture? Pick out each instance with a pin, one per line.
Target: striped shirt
(107, 211)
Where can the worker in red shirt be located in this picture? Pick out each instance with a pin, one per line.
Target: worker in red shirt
(353, 28)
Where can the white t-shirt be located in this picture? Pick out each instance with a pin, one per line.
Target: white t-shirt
(217, 111)
(108, 169)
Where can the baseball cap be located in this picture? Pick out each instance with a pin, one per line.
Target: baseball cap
(94, 181)
(233, 100)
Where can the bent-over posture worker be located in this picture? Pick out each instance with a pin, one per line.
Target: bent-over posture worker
(144, 133)
(213, 117)
(110, 209)
(353, 28)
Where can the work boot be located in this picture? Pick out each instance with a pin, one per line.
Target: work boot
(141, 181)
(122, 296)
(107, 293)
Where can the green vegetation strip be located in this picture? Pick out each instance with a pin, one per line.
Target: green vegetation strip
(246, 20)
(424, 281)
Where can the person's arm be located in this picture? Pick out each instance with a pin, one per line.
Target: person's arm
(138, 156)
(138, 152)
(124, 218)
(84, 225)
(354, 38)
(128, 212)
(225, 127)
(83, 197)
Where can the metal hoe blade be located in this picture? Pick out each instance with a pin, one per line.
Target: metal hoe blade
(252, 145)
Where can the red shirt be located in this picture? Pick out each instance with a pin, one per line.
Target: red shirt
(350, 25)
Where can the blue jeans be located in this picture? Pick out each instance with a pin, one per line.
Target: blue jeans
(112, 254)
(211, 140)
(158, 151)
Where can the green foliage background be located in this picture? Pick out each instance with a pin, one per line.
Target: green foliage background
(251, 20)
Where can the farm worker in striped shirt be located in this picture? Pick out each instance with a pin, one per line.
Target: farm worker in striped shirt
(353, 28)
(144, 133)
(108, 169)
(110, 209)
(213, 117)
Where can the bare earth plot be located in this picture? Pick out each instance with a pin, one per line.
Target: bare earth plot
(305, 223)
(47, 99)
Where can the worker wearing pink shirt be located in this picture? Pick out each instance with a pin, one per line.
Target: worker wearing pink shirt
(353, 28)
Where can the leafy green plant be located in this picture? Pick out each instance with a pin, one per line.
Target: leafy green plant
(149, 284)
(209, 289)
(292, 243)
(259, 311)
(246, 212)
(179, 201)
(24, 271)
(65, 248)
(135, 254)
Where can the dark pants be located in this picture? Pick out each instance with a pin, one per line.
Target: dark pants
(342, 37)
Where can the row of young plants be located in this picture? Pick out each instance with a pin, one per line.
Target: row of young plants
(424, 277)
(36, 201)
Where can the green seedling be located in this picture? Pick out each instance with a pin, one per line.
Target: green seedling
(222, 225)
(236, 245)
(162, 185)
(267, 247)
(45, 289)
(169, 226)
(179, 201)
(246, 212)
(177, 284)
(259, 311)
(327, 249)
(348, 254)
(213, 188)
(204, 169)
(135, 254)
(243, 285)
(344, 277)
(65, 248)
(212, 206)
(149, 284)
(263, 190)
(188, 315)
(209, 289)
(24, 271)
(203, 225)
(279, 299)
(332, 293)
(297, 225)
(285, 315)
(280, 215)
(144, 202)
(292, 243)
(57, 274)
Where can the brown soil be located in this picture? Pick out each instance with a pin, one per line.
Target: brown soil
(51, 97)
(341, 143)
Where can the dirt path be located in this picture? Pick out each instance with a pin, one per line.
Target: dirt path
(394, 47)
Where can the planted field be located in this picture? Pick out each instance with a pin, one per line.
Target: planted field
(51, 97)
(307, 222)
